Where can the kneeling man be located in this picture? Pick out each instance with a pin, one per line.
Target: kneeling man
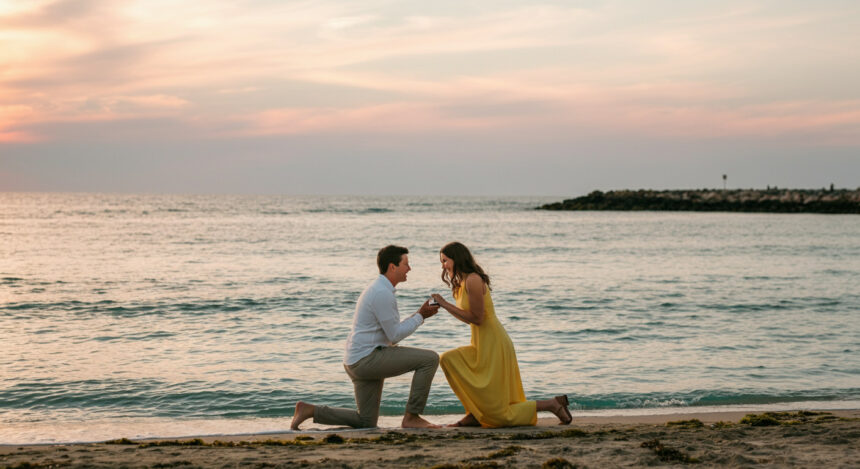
(372, 354)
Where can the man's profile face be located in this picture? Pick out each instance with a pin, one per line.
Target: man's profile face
(398, 272)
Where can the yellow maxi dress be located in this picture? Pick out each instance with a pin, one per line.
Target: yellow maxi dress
(485, 375)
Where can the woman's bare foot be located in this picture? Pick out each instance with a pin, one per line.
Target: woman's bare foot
(468, 421)
(304, 411)
(415, 421)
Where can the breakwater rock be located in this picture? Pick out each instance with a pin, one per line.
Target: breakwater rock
(714, 200)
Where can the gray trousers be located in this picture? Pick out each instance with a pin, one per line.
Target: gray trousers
(367, 376)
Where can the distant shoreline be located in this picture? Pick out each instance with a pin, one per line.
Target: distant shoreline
(833, 201)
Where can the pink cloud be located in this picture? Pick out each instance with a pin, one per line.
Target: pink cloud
(17, 137)
(106, 62)
(393, 117)
(11, 120)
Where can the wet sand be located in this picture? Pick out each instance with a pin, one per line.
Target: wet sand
(785, 439)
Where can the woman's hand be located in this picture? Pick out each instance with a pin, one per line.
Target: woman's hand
(475, 313)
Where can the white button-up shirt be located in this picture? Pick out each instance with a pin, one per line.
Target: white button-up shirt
(377, 321)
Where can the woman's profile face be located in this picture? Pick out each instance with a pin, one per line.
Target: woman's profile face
(447, 264)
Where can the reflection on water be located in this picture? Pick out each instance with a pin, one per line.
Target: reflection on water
(214, 307)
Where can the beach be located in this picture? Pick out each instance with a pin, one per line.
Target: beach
(166, 316)
(722, 439)
(641, 216)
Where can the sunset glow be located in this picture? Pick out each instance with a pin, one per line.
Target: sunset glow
(206, 71)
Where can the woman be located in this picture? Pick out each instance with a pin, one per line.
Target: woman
(485, 375)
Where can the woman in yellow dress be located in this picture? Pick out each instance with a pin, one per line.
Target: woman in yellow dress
(485, 375)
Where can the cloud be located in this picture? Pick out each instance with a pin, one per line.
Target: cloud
(11, 118)
(246, 89)
(51, 14)
(9, 136)
(348, 22)
(612, 68)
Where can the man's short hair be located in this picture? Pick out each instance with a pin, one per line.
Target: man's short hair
(390, 254)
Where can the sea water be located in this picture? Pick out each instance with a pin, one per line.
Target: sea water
(172, 315)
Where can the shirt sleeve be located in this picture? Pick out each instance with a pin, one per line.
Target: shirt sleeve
(384, 307)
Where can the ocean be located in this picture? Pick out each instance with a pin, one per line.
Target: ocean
(174, 315)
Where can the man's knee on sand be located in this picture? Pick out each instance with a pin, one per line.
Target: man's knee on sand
(368, 421)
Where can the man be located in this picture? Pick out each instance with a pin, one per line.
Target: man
(372, 354)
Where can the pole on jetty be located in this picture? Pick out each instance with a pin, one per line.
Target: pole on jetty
(724, 181)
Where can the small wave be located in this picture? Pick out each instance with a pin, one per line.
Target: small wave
(376, 210)
(837, 272)
(129, 310)
(706, 398)
(598, 301)
(275, 212)
(748, 307)
(287, 280)
(48, 306)
(362, 211)
(135, 337)
(590, 331)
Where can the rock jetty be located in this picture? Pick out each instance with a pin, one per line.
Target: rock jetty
(714, 200)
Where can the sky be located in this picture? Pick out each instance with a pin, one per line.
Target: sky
(440, 98)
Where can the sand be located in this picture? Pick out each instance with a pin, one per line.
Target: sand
(788, 439)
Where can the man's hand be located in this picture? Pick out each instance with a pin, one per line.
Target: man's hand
(426, 310)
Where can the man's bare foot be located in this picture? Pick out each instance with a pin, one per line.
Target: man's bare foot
(304, 411)
(468, 421)
(415, 421)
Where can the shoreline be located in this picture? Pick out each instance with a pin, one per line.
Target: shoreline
(94, 432)
(713, 439)
(544, 423)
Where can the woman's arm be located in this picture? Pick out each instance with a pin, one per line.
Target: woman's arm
(475, 289)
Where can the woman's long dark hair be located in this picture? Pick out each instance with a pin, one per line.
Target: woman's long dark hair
(464, 264)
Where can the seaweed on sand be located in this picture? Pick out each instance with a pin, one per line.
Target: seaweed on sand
(569, 433)
(722, 424)
(333, 438)
(692, 423)
(558, 463)
(121, 441)
(229, 444)
(194, 442)
(668, 454)
(24, 465)
(502, 453)
(769, 419)
(483, 465)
